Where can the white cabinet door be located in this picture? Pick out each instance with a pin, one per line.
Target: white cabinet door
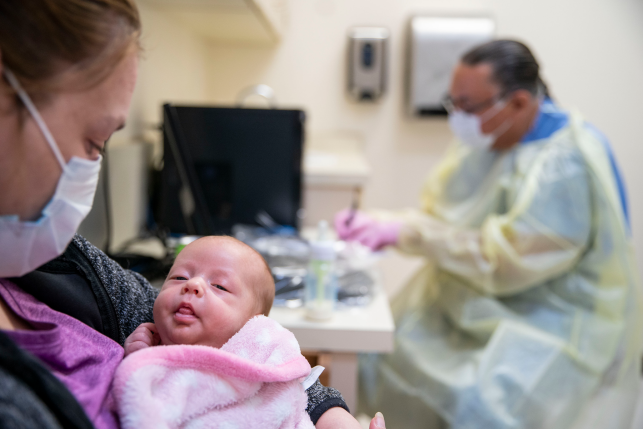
(254, 22)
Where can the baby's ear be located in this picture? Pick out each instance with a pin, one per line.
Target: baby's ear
(260, 313)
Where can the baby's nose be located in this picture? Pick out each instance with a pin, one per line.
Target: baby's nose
(194, 286)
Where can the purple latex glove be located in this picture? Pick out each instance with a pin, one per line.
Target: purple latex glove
(358, 226)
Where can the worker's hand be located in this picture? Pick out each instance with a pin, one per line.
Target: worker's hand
(353, 225)
(143, 337)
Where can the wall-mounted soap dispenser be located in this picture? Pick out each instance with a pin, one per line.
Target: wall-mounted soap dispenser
(367, 62)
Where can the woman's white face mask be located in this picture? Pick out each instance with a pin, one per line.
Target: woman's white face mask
(468, 127)
(26, 245)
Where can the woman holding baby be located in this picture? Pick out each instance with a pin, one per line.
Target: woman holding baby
(67, 74)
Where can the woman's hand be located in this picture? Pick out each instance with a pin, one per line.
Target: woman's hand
(143, 337)
(339, 418)
(377, 422)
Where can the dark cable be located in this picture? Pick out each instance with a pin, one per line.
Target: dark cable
(108, 206)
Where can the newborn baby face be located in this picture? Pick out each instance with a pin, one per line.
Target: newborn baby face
(208, 295)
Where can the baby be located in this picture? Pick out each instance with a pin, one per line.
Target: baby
(225, 362)
(214, 287)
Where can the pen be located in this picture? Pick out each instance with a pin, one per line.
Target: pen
(354, 206)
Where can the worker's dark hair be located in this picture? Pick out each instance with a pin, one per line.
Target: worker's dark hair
(514, 66)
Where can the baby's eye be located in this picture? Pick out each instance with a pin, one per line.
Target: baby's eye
(180, 278)
(220, 287)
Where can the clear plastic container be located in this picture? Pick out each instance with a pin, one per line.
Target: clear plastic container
(321, 279)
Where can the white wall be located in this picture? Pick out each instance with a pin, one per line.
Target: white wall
(591, 53)
(172, 68)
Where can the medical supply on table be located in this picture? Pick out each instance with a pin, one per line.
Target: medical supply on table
(321, 280)
(176, 244)
(35, 242)
(288, 257)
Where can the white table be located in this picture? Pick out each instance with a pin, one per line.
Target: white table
(350, 331)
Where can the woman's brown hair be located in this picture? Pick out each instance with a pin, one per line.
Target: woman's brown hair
(39, 39)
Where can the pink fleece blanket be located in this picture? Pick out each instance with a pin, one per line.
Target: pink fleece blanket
(253, 381)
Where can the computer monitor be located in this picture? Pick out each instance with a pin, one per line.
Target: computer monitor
(224, 166)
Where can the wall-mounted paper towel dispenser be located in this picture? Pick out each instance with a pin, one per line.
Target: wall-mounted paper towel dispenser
(436, 45)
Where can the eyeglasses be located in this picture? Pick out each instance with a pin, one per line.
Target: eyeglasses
(450, 105)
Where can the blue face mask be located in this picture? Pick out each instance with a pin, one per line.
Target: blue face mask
(26, 245)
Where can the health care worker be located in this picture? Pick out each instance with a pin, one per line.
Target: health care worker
(67, 74)
(528, 313)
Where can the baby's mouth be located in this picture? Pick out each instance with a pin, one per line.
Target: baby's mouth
(185, 312)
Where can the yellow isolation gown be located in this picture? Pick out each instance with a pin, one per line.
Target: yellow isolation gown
(528, 312)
